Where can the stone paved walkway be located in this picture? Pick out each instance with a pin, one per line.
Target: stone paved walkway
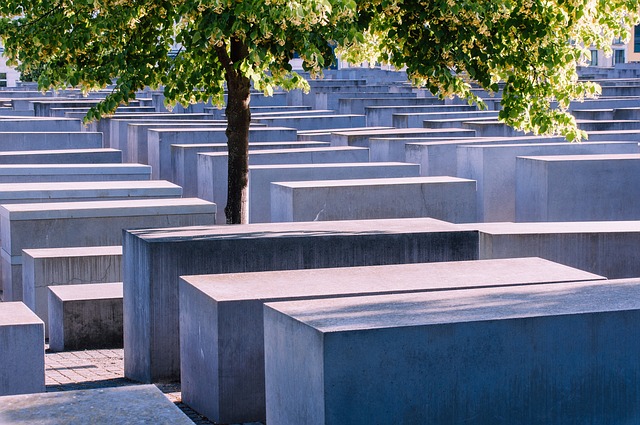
(80, 370)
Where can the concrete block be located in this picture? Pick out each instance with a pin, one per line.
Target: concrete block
(184, 159)
(22, 353)
(261, 177)
(445, 198)
(120, 405)
(213, 169)
(40, 124)
(494, 168)
(154, 259)
(64, 156)
(85, 317)
(93, 223)
(607, 248)
(221, 320)
(48, 267)
(306, 122)
(73, 172)
(416, 119)
(160, 141)
(383, 115)
(361, 138)
(495, 355)
(24, 141)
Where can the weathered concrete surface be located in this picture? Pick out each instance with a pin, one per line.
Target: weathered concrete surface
(154, 259)
(73, 172)
(222, 354)
(554, 354)
(139, 404)
(85, 317)
(21, 351)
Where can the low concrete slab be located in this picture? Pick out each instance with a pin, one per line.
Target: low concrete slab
(24, 141)
(154, 259)
(221, 320)
(121, 405)
(64, 156)
(73, 172)
(85, 317)
(444, 198)
(457, 356)
(44, 268)
(22, 353)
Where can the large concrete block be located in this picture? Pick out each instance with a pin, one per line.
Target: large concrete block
(361, 138)
(213, 168)
(607, 248)
(184, 159)
(494, 168)
(40, 124)
(383, 115)
(416, 119)
(310, 122)
(261, 177)
(85, 317)
(73, 172)
(552, 354)
(221, 320)
(24, 141)
(120, 405)
(578, 188)
(445, 198)
(160, 141)
(44, 268)
(76, 224)
(154, 259)
(22, 353)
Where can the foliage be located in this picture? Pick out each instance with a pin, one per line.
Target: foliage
(93, 43)
(527, 49)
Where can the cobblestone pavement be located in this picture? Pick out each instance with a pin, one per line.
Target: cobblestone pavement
(89, 369)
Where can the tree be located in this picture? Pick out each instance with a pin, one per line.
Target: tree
(527, 49)
(91, 44)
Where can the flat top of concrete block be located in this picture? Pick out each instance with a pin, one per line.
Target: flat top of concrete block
(2, 133)
(297, 229)
(197, 130)
(88, 291)
(291, 143)
(333, 165)
(17, 313)
(350, 132)
(481, 140)
(374, 182)
(50, 189)
(135, 404)
(567, 227)
(58, 151)
(525, 145)
(389, 278)
(291, 150)
(119, 208)
(333, 130)
(84, 251)
(35, 169)
(472, 305)
(599, 157)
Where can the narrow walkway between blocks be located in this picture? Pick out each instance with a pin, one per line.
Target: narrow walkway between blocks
(89, 369)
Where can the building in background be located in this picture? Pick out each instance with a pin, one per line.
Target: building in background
(9, 77)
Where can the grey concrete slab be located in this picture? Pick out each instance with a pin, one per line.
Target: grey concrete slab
(416, 119)
(311, 122)
(184, 159)
(22, 353)
(361, 137)
(491, 129)
(445, 198)
(355, 105)
(494, 168)
(154, 259)
(93, 223)
(73, 172)
(39, 124)
(495, 355)
(63, 156)
(324, 134)
(85, 317)
(160, 141)
(440, 157)
(383, 115)
(607, 248)
(48, 267)
(123, 405)
(578, 188)
(221, 318)
(602, 125)
(23, 141)
(213, 168)
(133, 134)
(261, 177)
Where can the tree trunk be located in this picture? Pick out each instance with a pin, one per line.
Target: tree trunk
(238, 121)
